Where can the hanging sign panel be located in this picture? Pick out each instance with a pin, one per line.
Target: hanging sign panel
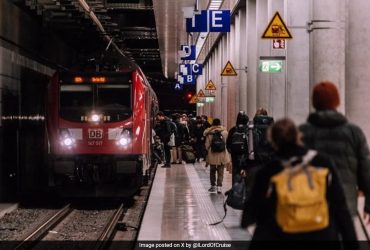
(190, 69)
(209, 21)
(187, 52)
(276, 29)
(188, 79)
(179, 86)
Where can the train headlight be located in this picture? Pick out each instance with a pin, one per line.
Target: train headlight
(95, 118)
(66, 139)
(125, 138)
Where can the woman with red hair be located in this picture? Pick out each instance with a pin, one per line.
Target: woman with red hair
(329, 132)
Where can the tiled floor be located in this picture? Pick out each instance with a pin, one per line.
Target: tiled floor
(180, 207)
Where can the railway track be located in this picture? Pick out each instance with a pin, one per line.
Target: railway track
(44, 228)
(60, 219)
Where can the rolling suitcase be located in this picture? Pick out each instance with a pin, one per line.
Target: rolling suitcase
(188, 154)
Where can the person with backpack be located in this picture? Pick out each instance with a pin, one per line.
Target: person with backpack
(260, 149)
(217, 156)
(298, 195)
(237, 142)
(164, 130)
(329, 131)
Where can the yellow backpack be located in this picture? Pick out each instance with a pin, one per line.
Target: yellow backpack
(301, 196)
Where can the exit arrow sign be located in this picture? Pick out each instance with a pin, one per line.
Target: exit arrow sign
(271, 66)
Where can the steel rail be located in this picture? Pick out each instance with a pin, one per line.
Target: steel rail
(46, 226)
(109, 229)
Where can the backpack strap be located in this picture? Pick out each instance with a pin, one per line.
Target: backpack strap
(306, 159)
(218, 222)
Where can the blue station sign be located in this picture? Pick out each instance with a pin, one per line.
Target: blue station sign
(187, 52)
(209, 21)
(190, 69)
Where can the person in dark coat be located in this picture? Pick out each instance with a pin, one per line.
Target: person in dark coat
(328, 131)
(261, 207)
(182, 137)
(242, 127)
(164, 131)
(199, 140)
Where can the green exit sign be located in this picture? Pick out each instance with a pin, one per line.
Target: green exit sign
(271, 66)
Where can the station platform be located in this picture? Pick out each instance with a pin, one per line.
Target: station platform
(7, 208)
(181, 208)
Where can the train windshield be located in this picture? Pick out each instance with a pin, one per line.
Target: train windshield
(113, 100)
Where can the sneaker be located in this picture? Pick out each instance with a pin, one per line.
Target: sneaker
(219, 190)
(167, 165)
(212, 190)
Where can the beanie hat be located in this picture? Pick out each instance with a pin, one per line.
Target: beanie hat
(325, 96)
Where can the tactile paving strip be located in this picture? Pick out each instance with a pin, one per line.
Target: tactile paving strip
(208, 214)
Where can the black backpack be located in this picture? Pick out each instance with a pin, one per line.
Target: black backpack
(236, 197)
(262, 148)
(239, 140)
(217, 144)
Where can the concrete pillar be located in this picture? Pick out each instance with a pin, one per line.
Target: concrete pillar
(357, 63)
(242, 53)
(263, 79)
(231, 83)
(327, 36)
(277, 83)
(252, 57)
(297, 62)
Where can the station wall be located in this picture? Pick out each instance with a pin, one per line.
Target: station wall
(28, 56)
(330, 42)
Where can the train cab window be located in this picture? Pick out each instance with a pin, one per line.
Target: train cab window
(75, 100)
(114, 96)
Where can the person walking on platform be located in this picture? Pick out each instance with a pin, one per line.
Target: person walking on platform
(164, 131)
(217, 156)
(328, 131)
(285, 189)
(181, 138)
(199, 140)
(237, 142)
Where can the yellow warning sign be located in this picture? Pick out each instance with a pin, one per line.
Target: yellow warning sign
(201, 93)
(229, 70)
(194, 99)
(276, 29)
(210, 86)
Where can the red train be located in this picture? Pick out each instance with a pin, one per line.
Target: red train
(99, 127)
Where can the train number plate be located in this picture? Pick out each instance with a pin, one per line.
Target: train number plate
(95, 134)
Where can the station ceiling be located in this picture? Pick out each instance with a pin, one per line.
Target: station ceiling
(131, 24)
(170, 23)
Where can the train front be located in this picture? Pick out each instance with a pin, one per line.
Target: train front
(96, 139)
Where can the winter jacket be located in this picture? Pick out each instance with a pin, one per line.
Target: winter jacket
(164, 130)
(182, 135)
(329, 132)
(216, 158)
(260, 208)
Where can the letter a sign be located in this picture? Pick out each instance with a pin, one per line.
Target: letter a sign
(276, 29)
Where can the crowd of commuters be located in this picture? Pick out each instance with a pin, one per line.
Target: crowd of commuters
(316, 170)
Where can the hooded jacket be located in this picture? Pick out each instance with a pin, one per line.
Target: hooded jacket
(216, 158)
(329, 132)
